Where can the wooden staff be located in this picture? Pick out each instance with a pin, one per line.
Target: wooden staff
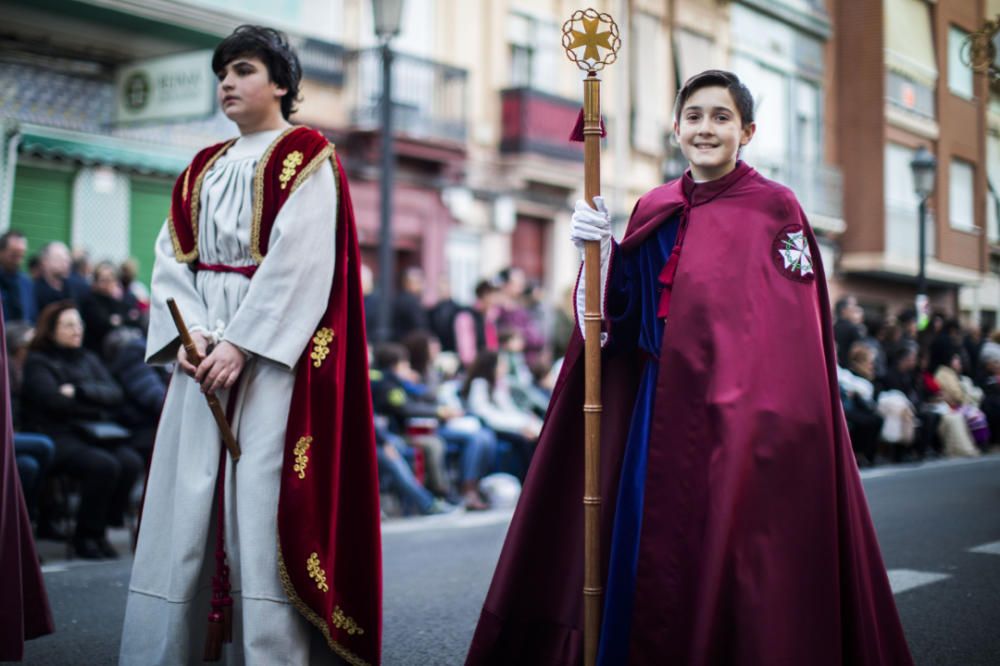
(213, 402)
(599, 31)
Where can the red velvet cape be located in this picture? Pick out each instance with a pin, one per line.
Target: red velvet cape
(24, 605)
(329, 539)
(757, 546)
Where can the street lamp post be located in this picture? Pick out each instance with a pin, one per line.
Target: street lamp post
(387, 15)
(924, 168)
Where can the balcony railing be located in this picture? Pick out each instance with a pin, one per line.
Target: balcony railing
(428, 97)
(819, 187)
(537, 122)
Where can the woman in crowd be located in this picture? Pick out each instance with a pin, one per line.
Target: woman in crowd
(858, 394)
(66, 389)
(487, 396)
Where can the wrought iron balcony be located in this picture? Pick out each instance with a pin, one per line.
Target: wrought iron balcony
(428, 97)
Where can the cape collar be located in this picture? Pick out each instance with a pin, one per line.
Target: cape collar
(696, 194)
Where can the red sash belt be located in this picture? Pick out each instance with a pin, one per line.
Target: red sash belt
(245, 271)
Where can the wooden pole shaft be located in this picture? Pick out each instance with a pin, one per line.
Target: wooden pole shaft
(592, 584)
(213, 401)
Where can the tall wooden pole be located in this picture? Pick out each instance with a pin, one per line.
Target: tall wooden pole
(592, 588)
(584, 47)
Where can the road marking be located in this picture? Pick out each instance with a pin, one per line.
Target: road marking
(451, 521)
(901, 580)
(987, 548)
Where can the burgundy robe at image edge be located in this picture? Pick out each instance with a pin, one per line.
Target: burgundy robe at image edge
(24, 605)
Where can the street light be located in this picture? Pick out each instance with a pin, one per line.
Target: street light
(387, 17)
(924, 167)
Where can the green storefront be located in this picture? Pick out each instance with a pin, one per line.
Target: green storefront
(110, 195)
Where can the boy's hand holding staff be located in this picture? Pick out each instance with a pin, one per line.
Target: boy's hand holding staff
(213, 402)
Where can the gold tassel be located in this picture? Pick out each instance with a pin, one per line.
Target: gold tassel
(213, 639)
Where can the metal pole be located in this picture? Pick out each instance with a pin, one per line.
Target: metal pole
(921, 304)
(386, 265)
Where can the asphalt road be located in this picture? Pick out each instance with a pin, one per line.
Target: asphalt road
(938, 525)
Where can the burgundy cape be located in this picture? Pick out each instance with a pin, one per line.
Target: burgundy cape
(329, 539)
(24, 605)
(757, 547)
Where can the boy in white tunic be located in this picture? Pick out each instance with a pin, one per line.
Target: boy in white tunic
(260, 255)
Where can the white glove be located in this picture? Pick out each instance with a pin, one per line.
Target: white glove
(591, 225)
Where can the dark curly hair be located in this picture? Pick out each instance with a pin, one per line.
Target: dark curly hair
(723, 79)
(273, 49)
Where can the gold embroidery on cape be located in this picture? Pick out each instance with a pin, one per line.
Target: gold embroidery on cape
(312, 616)
(316, 572)
(258, 196)
(184, 189)
(292, 161)
(321, 346)
(345, 623)
(301, 459)
(315, 163)
(179, 254)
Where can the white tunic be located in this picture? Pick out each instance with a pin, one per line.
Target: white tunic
(273, 318)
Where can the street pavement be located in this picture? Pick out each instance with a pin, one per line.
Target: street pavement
(938, 525)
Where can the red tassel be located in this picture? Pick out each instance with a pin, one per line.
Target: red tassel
(213, 638)
(577, 133)
(227, 623)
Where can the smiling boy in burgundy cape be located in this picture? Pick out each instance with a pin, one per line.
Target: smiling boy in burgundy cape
(734, 525)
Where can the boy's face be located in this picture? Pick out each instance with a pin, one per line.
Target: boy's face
(245, 91)
(710, 132)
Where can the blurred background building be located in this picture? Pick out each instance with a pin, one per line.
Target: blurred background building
(104, 101)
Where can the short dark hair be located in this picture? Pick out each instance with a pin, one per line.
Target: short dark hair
(273, 49)
(722, 79)
(388, 355)
(5, 238)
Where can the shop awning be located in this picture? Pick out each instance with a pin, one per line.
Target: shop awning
(909, 42)
(52, 142)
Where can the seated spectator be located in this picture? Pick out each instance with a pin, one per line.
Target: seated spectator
(67, 391)
(860, 408)
(476, 443)
(989, 366)
(418, 418)
(135, 293)
(963, 397)
(53, 282)
(144, 386)
(33, 451)
(487, 396)
(16, 287)
(395, 474)
(104, 309)
(520, 379)
(903, 376)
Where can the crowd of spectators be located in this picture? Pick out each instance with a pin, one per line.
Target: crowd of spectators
(459, 391)
(909, 394)
(83, 401)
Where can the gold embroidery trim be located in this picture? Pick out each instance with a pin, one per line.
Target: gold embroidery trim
(315, 163)
(179, 254)
(345, 623)
(311, 616)
(184, 189)
(292, 161)
(258, 196)
(316, 572)
(301, 459)
(321, 346)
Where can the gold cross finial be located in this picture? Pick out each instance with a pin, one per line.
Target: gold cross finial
(591, 39)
